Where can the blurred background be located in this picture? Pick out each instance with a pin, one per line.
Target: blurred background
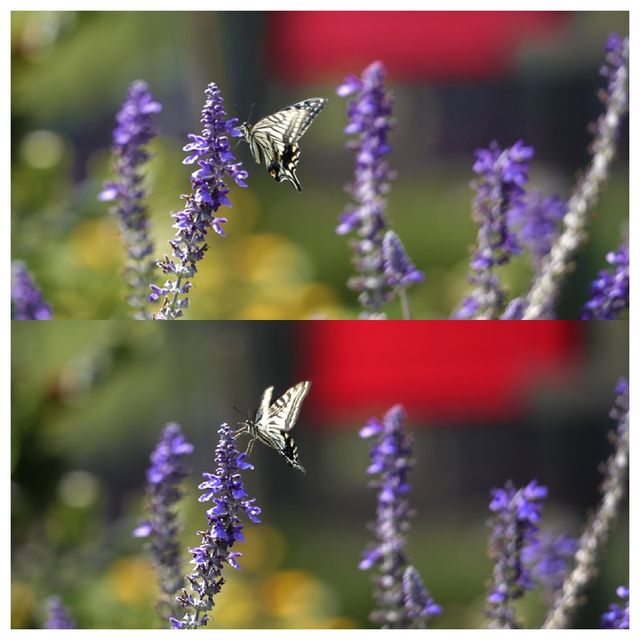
(485, 405)
(460, 80)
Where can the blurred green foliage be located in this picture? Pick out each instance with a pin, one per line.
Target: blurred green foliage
(89, 400)
(281, 259)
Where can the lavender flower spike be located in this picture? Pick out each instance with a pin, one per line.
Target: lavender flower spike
(57, 615)
(27, 302)
(610, 291)
(514, 526)
(558, 262)
(225, 490)
(164, 476)
(369, 114)
(419, 604)
(390, 465)
(399, 271)
(130, 138)
(499, 190)
(211, 151)
(617, 617)
(597, 530)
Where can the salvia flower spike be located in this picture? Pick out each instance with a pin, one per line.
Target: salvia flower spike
(211, 152)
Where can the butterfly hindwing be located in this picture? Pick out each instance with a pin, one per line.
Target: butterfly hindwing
(274, 139)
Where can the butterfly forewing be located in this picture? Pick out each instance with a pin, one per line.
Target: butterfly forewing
(264, 404)
(285, 410)
(274, 139)
(291, 123)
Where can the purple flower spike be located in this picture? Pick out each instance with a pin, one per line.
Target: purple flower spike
(130, 138)
(27, 302)
(211, 152)
(419, 604)
(559, 261)
(514, 527)
(57, 615)
(499, 191)
(391, 462)
(601, 521)
(369, 113)
(225, 489)
(617, 617)
(164, 476)
(609, 295)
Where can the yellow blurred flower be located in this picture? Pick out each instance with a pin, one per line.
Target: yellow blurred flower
(297, 598)
(235, 604)
(22, 602)
(263, 550)
(96, 244)
(132, 580)
(268, 259)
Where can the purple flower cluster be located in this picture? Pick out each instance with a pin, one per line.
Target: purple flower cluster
(57, 615)
(211, 152)
(130, 138)
(620, 409)
(617, 617)
(369, 113)
(499, 190)
(609, 295)
(419, 605)
(548, 559)
(167, 471)
(399, 271)
(615, 69)
(516, 513)
(27, 302)
(390, 465)
(534, 219)
(226, 491)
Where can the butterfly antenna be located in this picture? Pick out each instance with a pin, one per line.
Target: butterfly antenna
(240, 412)
(253, 104)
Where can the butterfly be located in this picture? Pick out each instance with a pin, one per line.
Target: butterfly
(274, 139)
(273, 422)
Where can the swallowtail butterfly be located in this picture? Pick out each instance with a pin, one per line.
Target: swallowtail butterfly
(273, 422)
(274, 139)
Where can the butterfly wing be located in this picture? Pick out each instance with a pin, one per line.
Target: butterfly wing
(274, 139)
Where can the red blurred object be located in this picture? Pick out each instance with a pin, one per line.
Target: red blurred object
(316, 46)
(441, 370)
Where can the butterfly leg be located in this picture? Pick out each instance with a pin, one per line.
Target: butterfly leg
(241, 431)
(250, 446)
